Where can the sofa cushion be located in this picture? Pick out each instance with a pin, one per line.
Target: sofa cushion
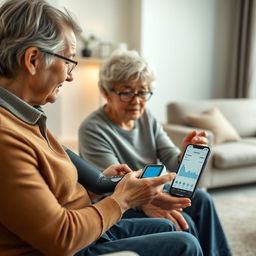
(249, 140)
(216, 122)
(240, 113)
(234, 154)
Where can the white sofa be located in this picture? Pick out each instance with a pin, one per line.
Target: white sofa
(231, 162)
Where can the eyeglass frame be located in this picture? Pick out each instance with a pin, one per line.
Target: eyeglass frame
(63, 58)
(138, 94)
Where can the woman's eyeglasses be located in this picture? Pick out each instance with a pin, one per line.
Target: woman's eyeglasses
(128, 96)
(71, 63)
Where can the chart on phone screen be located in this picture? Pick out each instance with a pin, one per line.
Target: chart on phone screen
(190, 169)
(187, 173)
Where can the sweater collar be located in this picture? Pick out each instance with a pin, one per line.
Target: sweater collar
(20, 108)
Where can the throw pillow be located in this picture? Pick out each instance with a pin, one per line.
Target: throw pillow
(214, 121)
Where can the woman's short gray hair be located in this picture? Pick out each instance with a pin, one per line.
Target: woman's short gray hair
(123, 66)
(26, 23)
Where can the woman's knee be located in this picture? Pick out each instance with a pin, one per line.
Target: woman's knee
(179, 243)
(188, 244)
(202, 196)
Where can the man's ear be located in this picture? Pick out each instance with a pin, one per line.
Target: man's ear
(32, 59)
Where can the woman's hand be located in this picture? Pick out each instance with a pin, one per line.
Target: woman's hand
(132, 191)
(117, 169)
(173, 215)
(193, 138)
(168, 202)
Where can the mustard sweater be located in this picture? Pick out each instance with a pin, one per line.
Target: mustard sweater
(43, 210)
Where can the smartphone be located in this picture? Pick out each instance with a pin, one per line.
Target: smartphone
(190, 169)
(152, 170)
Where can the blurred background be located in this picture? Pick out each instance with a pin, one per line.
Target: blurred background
(190, 44)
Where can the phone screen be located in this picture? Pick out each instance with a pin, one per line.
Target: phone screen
(152, 171)
(189, 171)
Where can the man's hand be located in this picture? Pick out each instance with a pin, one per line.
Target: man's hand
(168, 202)
(132, 191)
(173, 215)
(117, 169)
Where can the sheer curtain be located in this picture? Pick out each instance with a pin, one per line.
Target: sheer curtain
(243, 77)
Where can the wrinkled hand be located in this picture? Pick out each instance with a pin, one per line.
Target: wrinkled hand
(173, 215)
(117, 169)
(168, 202)
(132, 191)
(194, 138)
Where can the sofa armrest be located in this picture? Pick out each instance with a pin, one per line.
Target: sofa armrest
(178, 132)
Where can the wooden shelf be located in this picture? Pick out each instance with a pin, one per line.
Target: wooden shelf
(89, 60)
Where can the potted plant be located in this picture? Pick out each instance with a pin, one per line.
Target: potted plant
(86, 51)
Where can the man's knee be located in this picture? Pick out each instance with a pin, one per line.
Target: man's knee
(158, 225)
(167, 224)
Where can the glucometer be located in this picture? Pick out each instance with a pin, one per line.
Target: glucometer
(152, 170)
(90, 177)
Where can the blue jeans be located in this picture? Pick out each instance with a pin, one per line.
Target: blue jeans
(203, 223)
(147, 237)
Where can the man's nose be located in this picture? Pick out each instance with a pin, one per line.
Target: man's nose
(69, 77)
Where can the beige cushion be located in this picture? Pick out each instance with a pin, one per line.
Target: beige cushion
(216, 122)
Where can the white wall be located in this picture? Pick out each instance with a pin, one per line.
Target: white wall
(188, 43)
(109, 20)
(53, 2)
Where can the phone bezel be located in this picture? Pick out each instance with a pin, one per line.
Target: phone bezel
(152, 165)
(186, 193)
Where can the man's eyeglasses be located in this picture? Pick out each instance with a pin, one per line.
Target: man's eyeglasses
(71, 63)
(128, 96)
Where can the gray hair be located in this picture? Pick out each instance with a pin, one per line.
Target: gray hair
(27, 23)
(123, 66)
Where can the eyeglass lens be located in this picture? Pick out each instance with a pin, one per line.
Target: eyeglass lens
(130, 95)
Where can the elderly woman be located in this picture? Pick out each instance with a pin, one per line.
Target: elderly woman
(125, 131)
(44, 210)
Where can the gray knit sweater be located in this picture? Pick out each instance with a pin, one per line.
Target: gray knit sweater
(102, 142)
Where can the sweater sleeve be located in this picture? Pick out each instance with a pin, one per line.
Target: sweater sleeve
(31, 211)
